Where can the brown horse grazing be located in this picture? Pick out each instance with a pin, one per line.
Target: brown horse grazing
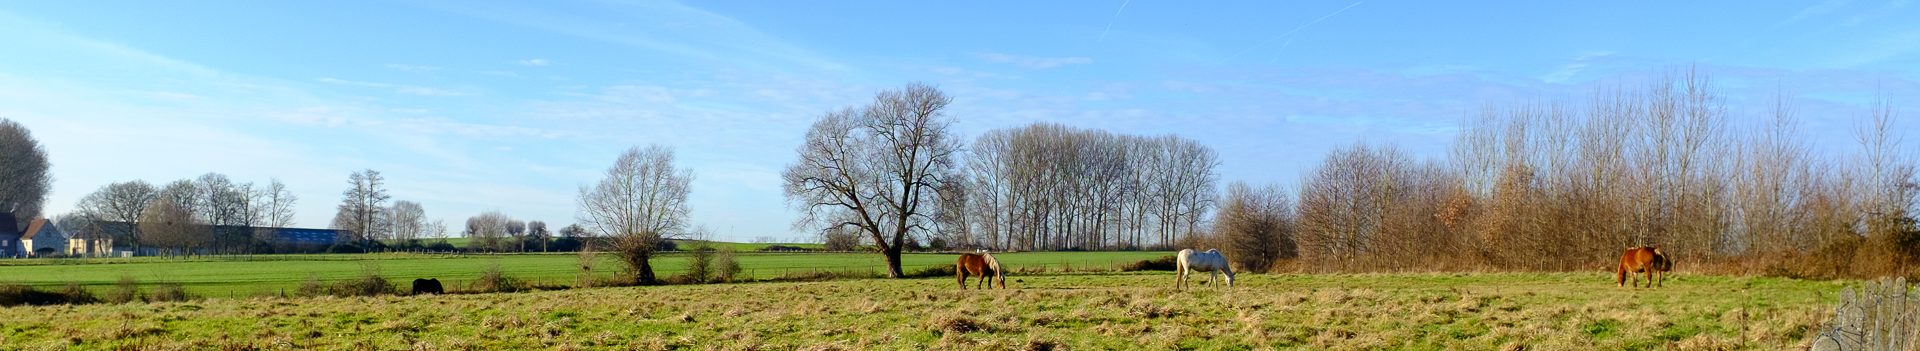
(1644, 259)
(979, 264)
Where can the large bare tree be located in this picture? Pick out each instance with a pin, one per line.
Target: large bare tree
(409, 220)
(24, 177)
(363, 206)
(276, 204)
(120, 202)
(173, 227)
(1257, 225)
(641, 202)
(487, 230)
(876, 168)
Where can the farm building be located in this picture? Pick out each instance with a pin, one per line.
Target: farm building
(19, 240)
(108, 238)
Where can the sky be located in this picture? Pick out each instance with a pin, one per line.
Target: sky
(470, 106)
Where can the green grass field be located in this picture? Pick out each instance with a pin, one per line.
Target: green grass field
(237, 276)
(1488, 311)
(464, 242)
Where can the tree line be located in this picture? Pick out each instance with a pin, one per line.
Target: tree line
(1567, 186)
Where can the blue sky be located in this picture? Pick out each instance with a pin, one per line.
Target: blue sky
(470, 106)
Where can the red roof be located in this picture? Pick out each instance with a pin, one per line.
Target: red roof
(34, 228)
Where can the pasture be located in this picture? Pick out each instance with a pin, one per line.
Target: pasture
(241, 276)
(1476, 311)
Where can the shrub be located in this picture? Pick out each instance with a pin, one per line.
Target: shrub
(783, 248)
(934, 271)
(1159, 264)
(699, 266)
(16, 294)
(124, 291)
(495, 280)
(76, 294)
(370, 283)
(726, 267)
(169, 292)
(312, 287)
(441, 246)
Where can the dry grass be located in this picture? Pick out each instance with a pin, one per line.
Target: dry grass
(1091, 311)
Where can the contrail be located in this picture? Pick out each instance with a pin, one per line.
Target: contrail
(1301, 27)
(1283, 49)
(1110, 20)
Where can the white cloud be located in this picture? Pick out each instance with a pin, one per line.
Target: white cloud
(536, 62)
(1579, 64)
(396, 88)
(663, 26)
(1033, 62)
(410, 68)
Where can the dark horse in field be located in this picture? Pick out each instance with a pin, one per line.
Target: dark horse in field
(979, 264)
(1644, 259)
(427, 286)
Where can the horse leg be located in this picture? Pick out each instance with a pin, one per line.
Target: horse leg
(1179, 279)
(962, 272)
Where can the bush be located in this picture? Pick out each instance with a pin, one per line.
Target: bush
(565, 244)
(368, 284)
(76, 294)
(699, 266)
(346, 248)
(16, 294)
(1166, 263)
(169, 292)
(124, 291)
(495, 280)
(934, 271)
(784, 248)
(441, 246)
(726, 267)
(312, 287)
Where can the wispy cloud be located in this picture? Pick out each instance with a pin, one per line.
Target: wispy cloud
(1304, 26)
(1820, 9)
(410, 68)
(663, 26)
(396, 88)
(536, 62)
(1580, 63)
(1033, 62)
(1110, 20)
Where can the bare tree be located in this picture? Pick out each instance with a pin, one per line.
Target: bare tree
(437, 229)
(488, 230)
(409, 220)
(363, 206)
(24, 173)
(1257, 224)
(172, 226)
(641, 202)
(876, 169)
(276, 204)
(120, 202)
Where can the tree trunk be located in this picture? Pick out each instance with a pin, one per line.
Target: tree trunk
(643, 269)
(893, 262)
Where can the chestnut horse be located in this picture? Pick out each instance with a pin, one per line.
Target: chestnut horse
(1644, 259)
(979, 264)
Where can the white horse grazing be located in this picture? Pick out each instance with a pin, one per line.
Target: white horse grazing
(1211, 262)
